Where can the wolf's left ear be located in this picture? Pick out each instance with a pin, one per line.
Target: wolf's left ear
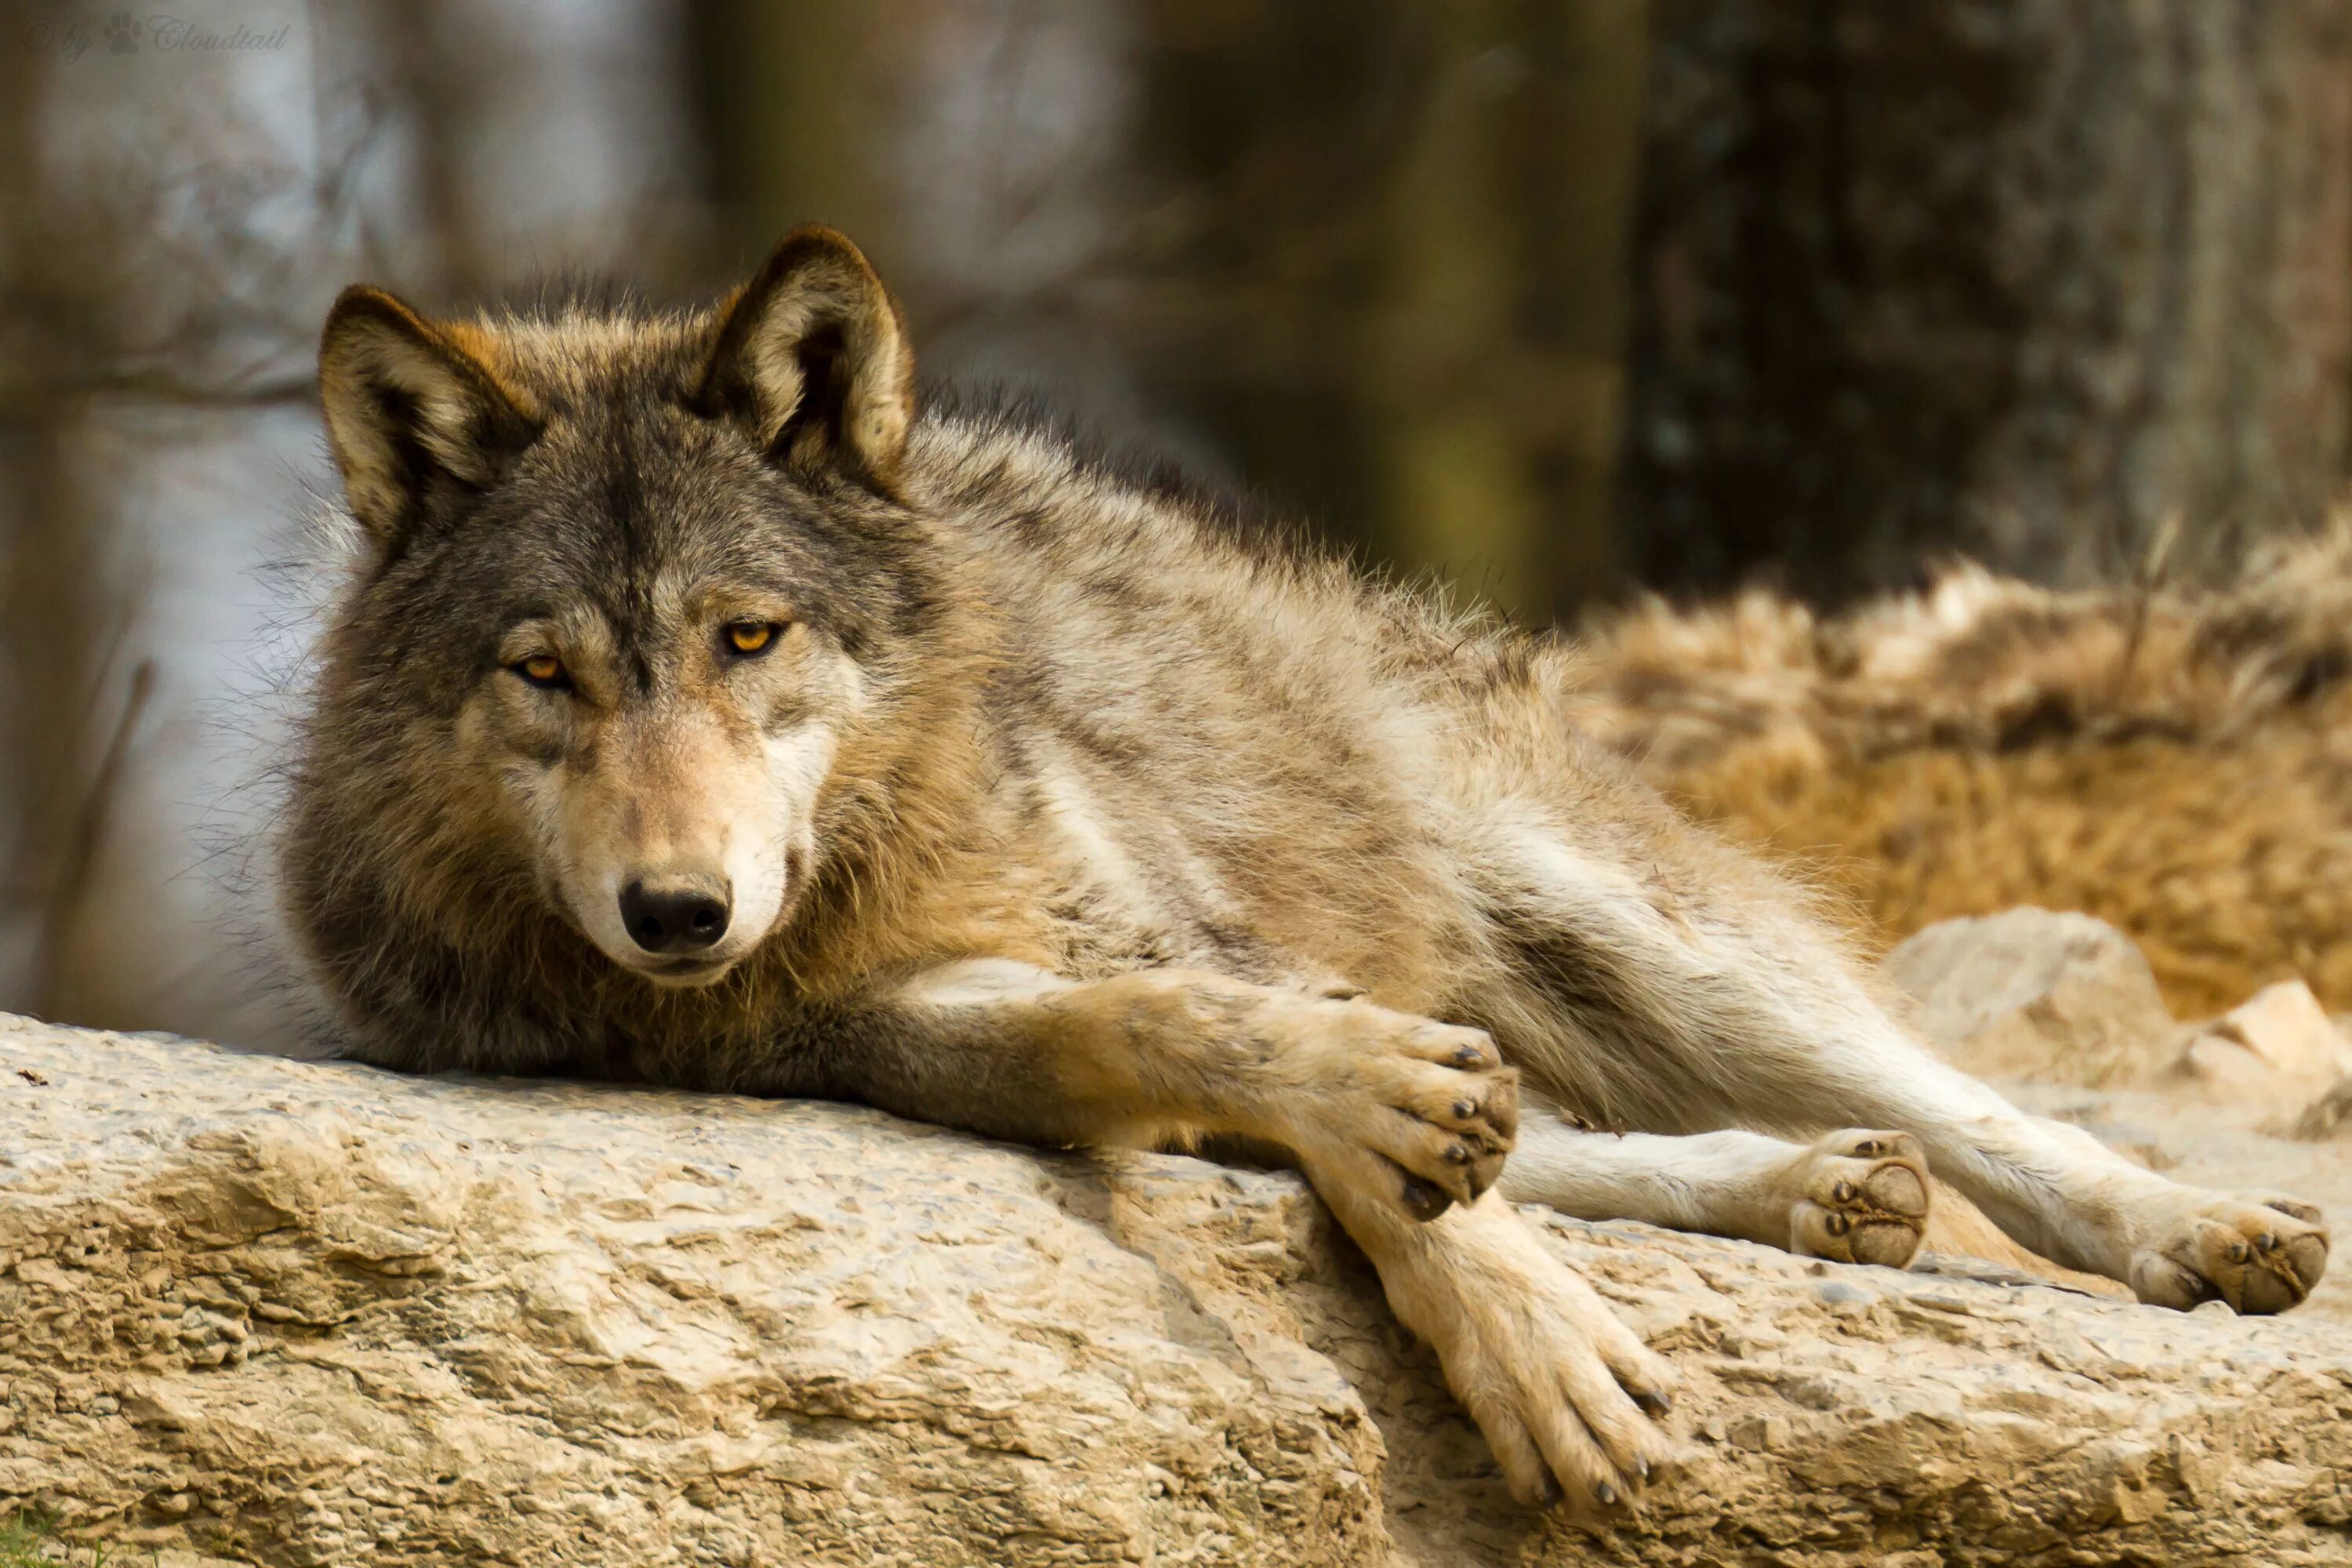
(814, 354)
(416, 414)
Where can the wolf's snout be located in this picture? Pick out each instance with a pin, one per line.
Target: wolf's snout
(675, 914)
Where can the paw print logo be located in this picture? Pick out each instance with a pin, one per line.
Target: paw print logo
(122, 34)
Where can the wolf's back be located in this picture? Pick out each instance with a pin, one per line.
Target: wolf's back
(2176, 763)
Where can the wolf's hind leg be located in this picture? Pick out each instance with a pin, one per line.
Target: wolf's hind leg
(1855, 1196)
(2069, 1197)
(1701, 994)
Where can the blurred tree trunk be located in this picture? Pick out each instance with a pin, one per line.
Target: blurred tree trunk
(1495, 376)
(2024, 280)
(64, 609)
(434, 72)
(800, 120)
(1253, 124)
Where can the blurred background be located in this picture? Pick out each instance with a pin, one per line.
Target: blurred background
(1558, 300)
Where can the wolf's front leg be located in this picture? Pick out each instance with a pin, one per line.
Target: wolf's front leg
(1400, 1122)
(1400, 1112)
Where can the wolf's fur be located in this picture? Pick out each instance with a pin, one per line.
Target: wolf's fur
(2175, 762)
(1070, 817)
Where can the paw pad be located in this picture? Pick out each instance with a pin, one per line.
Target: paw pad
(1861, 1198)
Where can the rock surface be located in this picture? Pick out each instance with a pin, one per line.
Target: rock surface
(293, 1313)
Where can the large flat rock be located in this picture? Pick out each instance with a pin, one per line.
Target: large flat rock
(297, 1313)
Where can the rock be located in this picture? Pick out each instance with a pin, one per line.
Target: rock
(2287, 1028)
(2279, 1048)
(2037, 995)
(301, 1313)
(2223, 1070)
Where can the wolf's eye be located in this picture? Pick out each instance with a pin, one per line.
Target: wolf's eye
(543, 670)
(748, 637)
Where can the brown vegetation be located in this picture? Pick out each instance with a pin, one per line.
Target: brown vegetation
(2174, 761)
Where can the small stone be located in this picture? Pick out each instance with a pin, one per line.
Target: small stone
(2223, 1069)
(2285, 1026)
(2280, 1048)
(2326, 1116)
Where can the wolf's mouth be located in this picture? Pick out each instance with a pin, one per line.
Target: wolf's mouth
(683, 971)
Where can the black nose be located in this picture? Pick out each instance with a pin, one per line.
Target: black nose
(675, 914)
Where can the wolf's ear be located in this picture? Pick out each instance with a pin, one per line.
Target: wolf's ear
(415, 417)
(814, 354)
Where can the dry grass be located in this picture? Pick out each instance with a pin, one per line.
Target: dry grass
(2176, 763)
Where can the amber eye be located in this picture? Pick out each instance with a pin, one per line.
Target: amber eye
(750, 637)
(543, 670)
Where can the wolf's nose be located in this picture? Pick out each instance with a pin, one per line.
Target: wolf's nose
(675, 914)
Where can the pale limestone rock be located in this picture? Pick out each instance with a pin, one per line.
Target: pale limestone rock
(2278, 1050)
(2285, 1025)
(309, 1314)
(2038, 996)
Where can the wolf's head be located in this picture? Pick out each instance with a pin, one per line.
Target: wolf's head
(630, 588)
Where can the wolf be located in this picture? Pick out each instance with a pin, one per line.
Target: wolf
(698, 710)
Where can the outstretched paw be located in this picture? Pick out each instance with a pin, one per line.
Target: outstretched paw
(1418, 1114)
(2260, 1256)
(1862, 1197)
(1563, 1390)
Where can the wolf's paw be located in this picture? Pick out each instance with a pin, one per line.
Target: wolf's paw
(2259, 1255)
(1558, 1383)
(1416, 1113)
(1862, 1197)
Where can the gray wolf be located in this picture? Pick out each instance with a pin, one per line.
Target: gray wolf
(699, 710)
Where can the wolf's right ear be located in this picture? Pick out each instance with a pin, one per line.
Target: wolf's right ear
(416, 416)
(814, 354)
